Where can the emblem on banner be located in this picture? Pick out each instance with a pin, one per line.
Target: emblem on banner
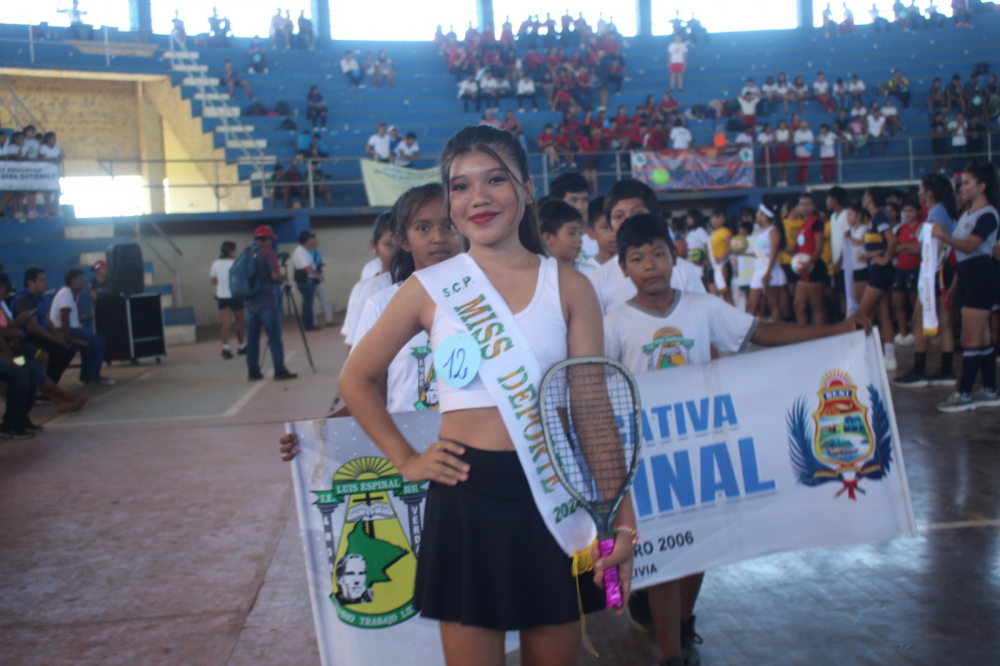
(839, 442)
(373, 564)
(427, 391)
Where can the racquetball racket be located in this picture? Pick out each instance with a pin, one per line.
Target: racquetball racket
(592, 420)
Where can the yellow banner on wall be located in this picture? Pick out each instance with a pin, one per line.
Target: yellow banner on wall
(384, 183)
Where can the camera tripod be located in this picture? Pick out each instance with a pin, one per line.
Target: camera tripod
(289, 297)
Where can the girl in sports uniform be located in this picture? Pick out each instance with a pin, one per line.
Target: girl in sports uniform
(857, 220)
(975, 285)
(938, 194)
(880, 244)
(489, 563)
(768, 278)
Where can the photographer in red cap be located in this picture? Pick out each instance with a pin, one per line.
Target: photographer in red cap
(262, 307)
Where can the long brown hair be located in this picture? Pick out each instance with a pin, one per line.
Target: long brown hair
(401, 265)
(495, 143)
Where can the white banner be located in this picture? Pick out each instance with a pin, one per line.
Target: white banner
(29, 176)
(770, 451)
(737, 462)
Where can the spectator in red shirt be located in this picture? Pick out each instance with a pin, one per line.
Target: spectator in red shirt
(590, 143)
(570, 123)
(563, 99)
(547, 146)
(904, 288)
(622, 117)
(510, 123)
(553, 60)
(471, 34)
(534, 63)
(585, 85)
(489, 38)
(507, 34)
(564, 146)
(668, 105)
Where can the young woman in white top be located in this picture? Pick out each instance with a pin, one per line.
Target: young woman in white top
(782, 89)
(768, 278)
(479, 502)
(50, 152)
(427, 237)
(383, 244)
(229, 307)
(782, 151)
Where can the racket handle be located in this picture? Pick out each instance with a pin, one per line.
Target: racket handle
(612, 587)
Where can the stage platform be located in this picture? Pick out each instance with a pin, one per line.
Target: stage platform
(157, 527)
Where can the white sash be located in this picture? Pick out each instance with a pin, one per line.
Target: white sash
(511, 374)
(928, 274)
(847, 265)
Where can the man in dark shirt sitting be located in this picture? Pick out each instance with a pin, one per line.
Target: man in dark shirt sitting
(262, 308)
(39, 329)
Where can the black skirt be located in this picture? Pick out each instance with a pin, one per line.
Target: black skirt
(488, 560)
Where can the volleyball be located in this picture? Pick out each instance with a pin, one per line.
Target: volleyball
(738, 244)
(696, 256)
(661, 177)
(799, 262)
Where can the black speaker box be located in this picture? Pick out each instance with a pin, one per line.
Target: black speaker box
(125, 273)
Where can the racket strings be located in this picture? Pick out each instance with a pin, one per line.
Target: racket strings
(590, 413)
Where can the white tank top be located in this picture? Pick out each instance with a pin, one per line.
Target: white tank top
(543, 324)
(763, 246)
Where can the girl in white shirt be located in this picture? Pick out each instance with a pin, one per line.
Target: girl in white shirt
(782, 89)
(229, 307)
(479, 499)
(768, 277)
(782, 151)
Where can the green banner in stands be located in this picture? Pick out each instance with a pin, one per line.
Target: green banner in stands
(384, 183)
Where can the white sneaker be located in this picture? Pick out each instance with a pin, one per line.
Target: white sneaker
(908, 340)
(983, 399)
(957, 403)
(890, 357)
(898, 339)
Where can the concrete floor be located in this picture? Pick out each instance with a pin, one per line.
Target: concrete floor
(157, 527)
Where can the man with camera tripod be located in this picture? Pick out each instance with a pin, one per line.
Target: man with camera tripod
(262, 308)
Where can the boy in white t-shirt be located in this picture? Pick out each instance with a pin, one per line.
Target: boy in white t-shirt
(625, 199)
(408, 151)
(661, 327)
(677, 56)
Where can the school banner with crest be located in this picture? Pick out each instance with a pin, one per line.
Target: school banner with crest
(29, 176)
(704, 168)
(384, 183)
(756, 453)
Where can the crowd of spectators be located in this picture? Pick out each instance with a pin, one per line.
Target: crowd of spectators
(907, 18)
(379, 69)
(39, 337)
(28, 145)
(281, 31)
(574, 67)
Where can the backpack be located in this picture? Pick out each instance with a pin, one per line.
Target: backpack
(734, 125)
(281, 108)
(255, 109)
(982, 69)
(288, 124)
(243, 279)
